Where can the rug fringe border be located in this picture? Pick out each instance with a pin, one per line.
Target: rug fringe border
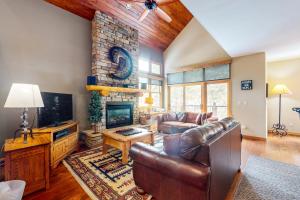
(81, 183)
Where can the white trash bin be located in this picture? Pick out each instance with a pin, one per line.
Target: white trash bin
(12, 190)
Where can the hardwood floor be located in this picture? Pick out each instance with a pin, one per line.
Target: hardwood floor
(285, 149)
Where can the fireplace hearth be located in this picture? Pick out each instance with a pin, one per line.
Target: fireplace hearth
(119, 114)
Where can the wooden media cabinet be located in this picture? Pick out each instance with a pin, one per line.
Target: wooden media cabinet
(64, 140)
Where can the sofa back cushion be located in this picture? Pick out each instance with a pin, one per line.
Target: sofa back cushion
(192, 140)
(181, 117)
(191, 117)
(169, 117)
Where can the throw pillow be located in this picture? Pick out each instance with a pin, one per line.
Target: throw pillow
(170, 117)
(199, 119)
(191, 117)
(209, 115)
(203, 118)
(181, 117)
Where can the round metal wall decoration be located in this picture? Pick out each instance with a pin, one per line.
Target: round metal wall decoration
(123, 59)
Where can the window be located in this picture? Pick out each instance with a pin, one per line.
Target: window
(176, 98)
(193, 98)
(143, 82)
(155, 68)
(154, 87)
(217, 99)
(143, 65)
(151, 80)
(219, 72)
(156, 92)
(210, 96)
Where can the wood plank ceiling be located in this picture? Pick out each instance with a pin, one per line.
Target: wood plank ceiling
(153, 31)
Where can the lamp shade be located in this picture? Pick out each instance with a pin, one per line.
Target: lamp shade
(149, 100)
(24, 96)
(280, 89)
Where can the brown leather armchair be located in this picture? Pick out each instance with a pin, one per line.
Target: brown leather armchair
(197, 164)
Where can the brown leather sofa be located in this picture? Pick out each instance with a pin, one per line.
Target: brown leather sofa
(171, 123)
(197, 164)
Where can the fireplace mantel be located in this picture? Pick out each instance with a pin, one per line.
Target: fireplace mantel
(105, 90)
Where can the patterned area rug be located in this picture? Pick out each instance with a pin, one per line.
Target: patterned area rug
(265, 179)
(103, 176)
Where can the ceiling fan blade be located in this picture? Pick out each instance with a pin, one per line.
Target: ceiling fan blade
(166, 2)
(145, 13)
(163, 15)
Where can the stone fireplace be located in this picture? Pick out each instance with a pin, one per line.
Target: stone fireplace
(108, 32)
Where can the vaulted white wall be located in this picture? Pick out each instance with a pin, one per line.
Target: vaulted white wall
(285, 72)
(193, 45)
(244, 27)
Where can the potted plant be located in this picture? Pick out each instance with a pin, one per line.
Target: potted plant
(95, 110)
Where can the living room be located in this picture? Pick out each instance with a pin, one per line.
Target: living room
(211, 85)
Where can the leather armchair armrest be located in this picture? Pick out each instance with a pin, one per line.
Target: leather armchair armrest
(171, 166)
(159, 119)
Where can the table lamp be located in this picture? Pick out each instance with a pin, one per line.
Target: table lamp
(149, 101)
(279, 128)
(24, 96)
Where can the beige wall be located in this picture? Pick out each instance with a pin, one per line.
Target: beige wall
(249, 107)
(288, 73)
(193, 45)
(45, 45)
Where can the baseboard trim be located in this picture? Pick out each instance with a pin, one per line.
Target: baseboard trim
(251, 137)
(289, 133)
(294, 134)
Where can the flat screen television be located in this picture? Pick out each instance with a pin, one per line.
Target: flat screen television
(57, 109)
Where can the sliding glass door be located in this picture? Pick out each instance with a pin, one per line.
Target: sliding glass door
(211, 96)
(176, 98)
(218, 99)
(192, 98)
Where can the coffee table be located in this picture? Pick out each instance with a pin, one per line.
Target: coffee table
(123, 143)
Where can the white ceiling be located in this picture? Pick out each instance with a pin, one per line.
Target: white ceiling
(244, 27)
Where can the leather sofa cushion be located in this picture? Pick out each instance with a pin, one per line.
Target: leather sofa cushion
(171, 143)
(179, 124)
(169, 117)
(191, 117)
(172, 123)
(192, 139)
(181, 117)
(175, 127)
(171, 166)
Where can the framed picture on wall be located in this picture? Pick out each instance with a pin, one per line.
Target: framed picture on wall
(246, 85)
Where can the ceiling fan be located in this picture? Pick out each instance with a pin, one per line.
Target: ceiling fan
(154, 5)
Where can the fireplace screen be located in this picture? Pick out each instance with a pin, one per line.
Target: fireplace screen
(119, 114)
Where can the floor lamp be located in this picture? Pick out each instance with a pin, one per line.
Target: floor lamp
(279, 128)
